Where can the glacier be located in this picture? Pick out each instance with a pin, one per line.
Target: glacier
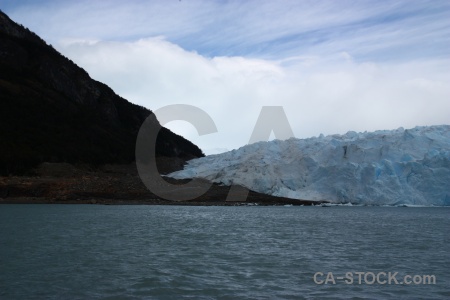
(385, 167)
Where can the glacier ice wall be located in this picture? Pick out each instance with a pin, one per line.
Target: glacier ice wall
(382, 167)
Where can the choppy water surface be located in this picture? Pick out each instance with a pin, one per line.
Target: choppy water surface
(172, 252)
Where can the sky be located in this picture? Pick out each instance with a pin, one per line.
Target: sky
(333, 66)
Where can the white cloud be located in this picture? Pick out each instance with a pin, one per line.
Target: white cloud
(333, 65)
(327, 95)
(267, 29)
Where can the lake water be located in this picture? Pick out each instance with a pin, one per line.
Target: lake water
(177, 252)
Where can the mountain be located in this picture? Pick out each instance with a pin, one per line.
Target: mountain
(52, 111)
(376, 168)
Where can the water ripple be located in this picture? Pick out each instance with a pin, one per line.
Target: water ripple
(167, 252)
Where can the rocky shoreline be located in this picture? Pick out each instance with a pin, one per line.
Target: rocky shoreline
(61, 183)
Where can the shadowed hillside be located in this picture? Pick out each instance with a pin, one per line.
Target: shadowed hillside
(51, 110)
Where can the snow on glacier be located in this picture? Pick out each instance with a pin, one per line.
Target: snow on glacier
(380, 168)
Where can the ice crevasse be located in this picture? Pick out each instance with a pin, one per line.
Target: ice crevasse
(386, 167)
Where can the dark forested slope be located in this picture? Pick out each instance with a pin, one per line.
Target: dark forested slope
(51, 110)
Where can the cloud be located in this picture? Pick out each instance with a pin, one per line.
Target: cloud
(155, 73)
(333, 65)
(332, 94)
(367, 30)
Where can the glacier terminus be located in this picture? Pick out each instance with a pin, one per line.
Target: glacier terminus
(385, 167)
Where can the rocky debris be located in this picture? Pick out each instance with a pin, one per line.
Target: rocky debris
(110, 184)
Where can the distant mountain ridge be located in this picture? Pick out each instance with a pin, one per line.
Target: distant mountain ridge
(51, 110)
